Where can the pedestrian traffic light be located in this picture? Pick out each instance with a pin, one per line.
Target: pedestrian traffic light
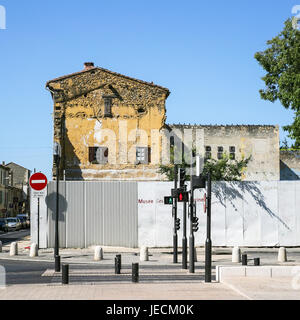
(181, 177)
(183, 196)
(177, 223)
(195, 224)
(168, 200)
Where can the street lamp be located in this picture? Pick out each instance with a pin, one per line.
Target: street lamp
(56, 158)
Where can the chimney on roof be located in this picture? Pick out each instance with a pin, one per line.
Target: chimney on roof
(3, 163)
(88, 65)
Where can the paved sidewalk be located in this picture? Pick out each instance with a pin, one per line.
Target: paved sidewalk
(264, 288)
(119, 291)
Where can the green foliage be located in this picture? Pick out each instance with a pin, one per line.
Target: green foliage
(221, 170)
(281, 61)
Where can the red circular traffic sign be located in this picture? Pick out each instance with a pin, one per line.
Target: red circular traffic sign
(38, 181)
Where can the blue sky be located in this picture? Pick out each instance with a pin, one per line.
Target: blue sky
(203, 51)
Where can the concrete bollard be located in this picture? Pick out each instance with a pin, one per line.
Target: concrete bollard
(282, 254)
(0, 246)
(98, 254)
(13, 249)
(34, 252)
(195, 255)
(144, 254)
(236, 255)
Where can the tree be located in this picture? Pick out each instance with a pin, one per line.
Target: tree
(281, 61)
(224, 169)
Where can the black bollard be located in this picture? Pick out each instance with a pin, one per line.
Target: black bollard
(256, 261)
(65, 274)
(135, 272)
(118, 264)
(57, 264)
(244, 259)
(118, 256)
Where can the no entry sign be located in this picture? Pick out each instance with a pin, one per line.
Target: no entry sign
(38, 181)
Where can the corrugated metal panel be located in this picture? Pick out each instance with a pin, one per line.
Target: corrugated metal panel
(112, 214)
(94, 213)
(129, 214)
(75, 219)
(51, 205)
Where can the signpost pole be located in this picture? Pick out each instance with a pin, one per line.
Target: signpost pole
(175, 248)
(38, 225)
(184, 239)
(208, 243)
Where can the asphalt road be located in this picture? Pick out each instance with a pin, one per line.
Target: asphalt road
(23, 272)
(14, 235)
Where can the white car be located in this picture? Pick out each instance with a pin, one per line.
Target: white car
(13, 224)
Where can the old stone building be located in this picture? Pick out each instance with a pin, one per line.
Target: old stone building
(113, 127)
(98, 117)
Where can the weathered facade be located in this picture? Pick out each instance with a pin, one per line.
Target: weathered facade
(261, 142)
(99, 114)
(113, 127)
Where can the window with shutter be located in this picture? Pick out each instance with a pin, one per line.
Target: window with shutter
(107, 107)
(232, 153)
(207, 152)
(220, 153)
(142, 155)
(98, 155)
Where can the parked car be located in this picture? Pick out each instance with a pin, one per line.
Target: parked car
(13, 224)
(2, 224)
(23, 222)
(25, 219)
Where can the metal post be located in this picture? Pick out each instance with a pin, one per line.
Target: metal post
(135, 272)
(38, 225)
(184, 239)
(175, 240)
(208, 232)
(244, 259)
(56, 250)
(118, 264)
(191, 238)
(65, 274)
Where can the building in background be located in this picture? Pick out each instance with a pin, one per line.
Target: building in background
(4, 183)
(14, 189)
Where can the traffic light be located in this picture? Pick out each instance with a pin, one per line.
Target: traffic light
(195, 224)
(183, 196)
(181, 177)
(168, 200)
(177, 223)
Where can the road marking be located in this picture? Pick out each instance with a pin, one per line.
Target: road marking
(232, 287)
(38, 181)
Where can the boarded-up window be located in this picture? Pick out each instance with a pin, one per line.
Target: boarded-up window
(207, 152)
(143, 155)
(220, 152)
(107, 107)
(98, 155)
(232, 153)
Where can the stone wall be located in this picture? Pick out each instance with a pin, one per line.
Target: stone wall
(261, 142)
